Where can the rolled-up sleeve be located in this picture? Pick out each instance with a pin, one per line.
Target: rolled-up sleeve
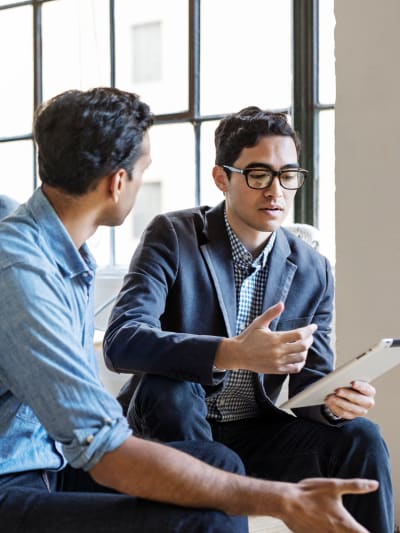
(90, 444)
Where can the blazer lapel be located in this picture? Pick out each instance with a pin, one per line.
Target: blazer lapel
(280, 274)
(217, 254)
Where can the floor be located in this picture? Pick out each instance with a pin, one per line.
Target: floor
(266, 524)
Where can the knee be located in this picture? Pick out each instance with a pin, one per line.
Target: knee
(213, 453)
(160, 400)
(164, 393)
(227, 459)
(365, 436)
(169, 410)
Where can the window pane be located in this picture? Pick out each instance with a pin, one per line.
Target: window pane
(146, 52)
(327, 80)
(327, 183)
(17, 169)
(75, 45)
(16, 67)
(168, 184)
(245, 55)
(152, 52)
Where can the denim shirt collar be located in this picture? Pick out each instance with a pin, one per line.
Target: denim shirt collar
(71, 261)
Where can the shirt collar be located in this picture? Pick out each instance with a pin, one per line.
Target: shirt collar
(241, 255)
(70, 260)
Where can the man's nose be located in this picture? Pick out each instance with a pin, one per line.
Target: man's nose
(275, 189)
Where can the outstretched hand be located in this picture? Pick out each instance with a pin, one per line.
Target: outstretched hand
(259, 349)
(318, 505)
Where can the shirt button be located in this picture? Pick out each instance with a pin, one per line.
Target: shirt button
(108, 421)
(89, 439)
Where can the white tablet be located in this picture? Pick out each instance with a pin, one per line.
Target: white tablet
(366, 367)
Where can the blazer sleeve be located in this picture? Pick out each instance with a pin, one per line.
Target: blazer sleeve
(135, 341)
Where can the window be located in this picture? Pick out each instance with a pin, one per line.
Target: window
(193, 61)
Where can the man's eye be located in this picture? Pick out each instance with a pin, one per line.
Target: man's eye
(290, 176)
(258, 174)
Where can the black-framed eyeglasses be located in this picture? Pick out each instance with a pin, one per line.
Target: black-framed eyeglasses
(262, 178)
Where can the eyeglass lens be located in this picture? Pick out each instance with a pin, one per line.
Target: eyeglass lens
(262, 179)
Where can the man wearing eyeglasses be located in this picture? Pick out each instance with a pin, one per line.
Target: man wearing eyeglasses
(221, 304)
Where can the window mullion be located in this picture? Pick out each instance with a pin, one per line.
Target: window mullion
(194, 86)
(37, 72)
(305, 99)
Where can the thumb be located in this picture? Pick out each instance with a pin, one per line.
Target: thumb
(264, 320)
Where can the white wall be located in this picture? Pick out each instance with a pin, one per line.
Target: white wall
(368, 194)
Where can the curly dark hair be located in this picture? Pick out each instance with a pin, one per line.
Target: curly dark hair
(84, 136)
(245, 128)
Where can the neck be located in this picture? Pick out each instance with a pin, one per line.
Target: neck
(255, 252)
(253, 240)
(75, 212)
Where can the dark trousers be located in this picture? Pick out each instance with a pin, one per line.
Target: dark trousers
(276, 446)
(71, 502)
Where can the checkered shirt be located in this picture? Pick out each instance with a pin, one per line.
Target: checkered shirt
(237, 400)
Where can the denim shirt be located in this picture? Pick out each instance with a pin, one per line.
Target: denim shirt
(53, 408)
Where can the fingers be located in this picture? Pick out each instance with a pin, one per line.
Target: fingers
(326, 493)
(352, 402)
(291, 362)
(291, 368)
(277, 352)
(298, 335)
(365, 388)
(341, 486)
(294, 352)
(344, 408)
(357, 486)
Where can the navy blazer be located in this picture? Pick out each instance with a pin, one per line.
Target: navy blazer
(178, 300)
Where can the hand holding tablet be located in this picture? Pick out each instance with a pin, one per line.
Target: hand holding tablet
(366, 367)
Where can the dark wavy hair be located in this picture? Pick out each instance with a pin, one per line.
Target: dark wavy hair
(84, 136)
(245, 128)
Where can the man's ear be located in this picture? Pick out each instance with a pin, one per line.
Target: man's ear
(116, 182)
(220, 178)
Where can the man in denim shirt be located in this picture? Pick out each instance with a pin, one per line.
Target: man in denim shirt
(68, 460)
